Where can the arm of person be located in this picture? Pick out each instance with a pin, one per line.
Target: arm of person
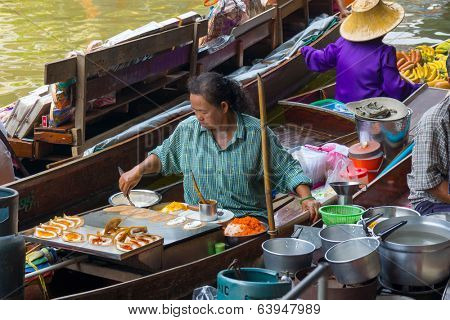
(321, 60)
(342, 9)
(165, 159)
(288, 176)
(393, 84)
(440, 192)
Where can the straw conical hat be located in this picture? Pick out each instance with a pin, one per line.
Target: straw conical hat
(371, 19)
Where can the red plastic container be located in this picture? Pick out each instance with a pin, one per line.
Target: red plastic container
(369, 157)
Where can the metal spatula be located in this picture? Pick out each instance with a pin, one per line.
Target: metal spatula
(121, 172)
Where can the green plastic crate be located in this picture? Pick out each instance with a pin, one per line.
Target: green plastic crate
(339, 214)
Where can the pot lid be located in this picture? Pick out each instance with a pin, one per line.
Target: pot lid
(365, 150)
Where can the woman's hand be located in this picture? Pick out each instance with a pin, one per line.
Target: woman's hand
(344, 13)
(312, 206)
(129, 180)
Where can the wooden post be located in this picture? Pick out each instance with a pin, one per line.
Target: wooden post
(194, 53)
(240, 54)
(306, 12)
(265, 154)
(80, 105)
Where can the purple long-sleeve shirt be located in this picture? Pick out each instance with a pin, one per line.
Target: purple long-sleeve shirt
(363, 69)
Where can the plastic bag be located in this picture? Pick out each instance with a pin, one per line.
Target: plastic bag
(335, 153)
(226, 15)
(205, 293)
(314, 164)
(339, 172)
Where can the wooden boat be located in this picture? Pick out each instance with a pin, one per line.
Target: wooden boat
(178, 279)
(181, 263)
(86, 183)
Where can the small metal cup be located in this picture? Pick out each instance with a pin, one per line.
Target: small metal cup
(208, 212)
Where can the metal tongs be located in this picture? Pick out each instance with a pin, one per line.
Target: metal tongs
(121, 172)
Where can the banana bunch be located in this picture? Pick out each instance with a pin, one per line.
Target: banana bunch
(425, 64)
(443, 48)
(427, 53)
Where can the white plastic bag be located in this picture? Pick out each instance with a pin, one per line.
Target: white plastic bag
(314, 164)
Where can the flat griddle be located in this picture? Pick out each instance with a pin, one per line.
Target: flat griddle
(95, 222)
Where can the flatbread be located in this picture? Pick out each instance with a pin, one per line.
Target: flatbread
(195, 224)
(144, 213)
(118, 208)
(162, 217)
(130, 212)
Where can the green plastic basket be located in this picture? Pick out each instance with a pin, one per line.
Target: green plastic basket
(339, 214)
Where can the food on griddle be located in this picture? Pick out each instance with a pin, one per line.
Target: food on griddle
(118, 208)
(47, 227)
(58, 224)
(79, 221)
(70, 236)
(99, 240)
(144, 213)
(177, 220)
(126, 247)
(193, 225)
(138, 229)
(130, 211)
(147, 238)
(131, 242)
(112, 226)
(66, 222)
(174, 206)
(245, 226)
(44, 234)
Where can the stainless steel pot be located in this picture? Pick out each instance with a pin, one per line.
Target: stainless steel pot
(392, 135)
(416, 255)
(287, 254)
(338, 233)
(355, 261)
(390, 212)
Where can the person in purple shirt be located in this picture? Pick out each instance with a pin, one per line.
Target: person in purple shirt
(365, 66)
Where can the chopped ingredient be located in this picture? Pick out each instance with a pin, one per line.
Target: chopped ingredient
(246, 226)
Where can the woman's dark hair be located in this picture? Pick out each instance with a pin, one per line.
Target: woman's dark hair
(216, 88)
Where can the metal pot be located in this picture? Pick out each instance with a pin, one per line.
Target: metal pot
(338, 233)
(392, 135)
(250, 284)
(287, 254)
(356, 260)
(416, 255)
(388, 212)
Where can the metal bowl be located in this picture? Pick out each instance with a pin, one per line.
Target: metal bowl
(141, 198)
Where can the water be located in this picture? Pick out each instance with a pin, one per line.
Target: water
(38, 31)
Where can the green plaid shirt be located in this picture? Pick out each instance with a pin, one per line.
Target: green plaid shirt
(233, 176)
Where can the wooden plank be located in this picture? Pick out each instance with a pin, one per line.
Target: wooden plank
(160, 63)
(60, 70)
(54, 137)
(124, 126)
(135, 92)
(81, 101)
(23, 149)
(169, 284)
(42, 150)
(290, 7)
(254, 22)
(102, 60)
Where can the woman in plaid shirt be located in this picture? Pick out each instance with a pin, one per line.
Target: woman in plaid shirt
(222, 147)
